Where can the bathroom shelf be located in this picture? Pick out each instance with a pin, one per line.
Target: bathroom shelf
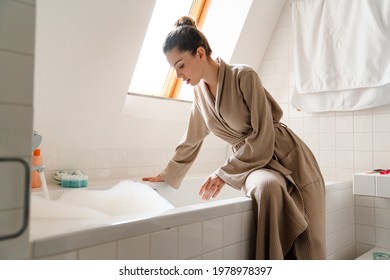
(377, 185)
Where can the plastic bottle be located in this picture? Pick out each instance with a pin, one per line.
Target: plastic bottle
(37, 160)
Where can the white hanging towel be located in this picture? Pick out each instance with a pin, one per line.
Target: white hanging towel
(341, 54)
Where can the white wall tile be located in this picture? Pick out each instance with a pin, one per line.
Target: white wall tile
(16, 78)
(338, 220)
(363, 142)
(281, 49)
(382, 218)
(367, 201)
(327, 124)
(119, 158)
(344, 141)
(134, 172)
(269, 54)
(381, 142)
(119, 173)
(344, 160)
(13, 185)
(68, 159)
(65, 256)
(214, 255)
(365, 215)
(340, 239)
(248, 226)
(381, 159)
(282, 80)
(327, 158)
(280, 95)
(338, 200)
(382, 237)
(312, 141)
(347, 253)
(106, 251)
(232, 227)
(310, 125)
(102, 174)
(281, 64)
(86, 159)
(381, 123)
(363, 123)
(268, 81)
(296, 124)
(365, 234)
(11, 221)
(149, 157)
(104, 159)
(343, 174)
(19, 20)
(15, 127)
(212, 234)
(363, 160)
(233, 252)
(134, 158)
(164, 245)
(16, 248)
(383, 203)
(327, 142)
(344, 124)
(190, 241)
(280, 35)
(50, 158)
(135, 248)
(267, 67)
(362, 249)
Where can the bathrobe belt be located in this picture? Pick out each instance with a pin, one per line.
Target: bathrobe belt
(274, 163)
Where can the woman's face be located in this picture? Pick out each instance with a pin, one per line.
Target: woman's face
(188, 67)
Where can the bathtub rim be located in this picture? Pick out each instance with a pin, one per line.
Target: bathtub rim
(75, 240)
(71, 241)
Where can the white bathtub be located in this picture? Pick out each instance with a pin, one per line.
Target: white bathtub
(56, 236)
(194, 229)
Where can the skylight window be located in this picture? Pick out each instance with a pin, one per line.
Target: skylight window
(222, 26)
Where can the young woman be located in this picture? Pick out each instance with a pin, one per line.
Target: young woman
(273, 166)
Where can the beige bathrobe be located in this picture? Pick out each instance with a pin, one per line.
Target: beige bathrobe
(245, 115)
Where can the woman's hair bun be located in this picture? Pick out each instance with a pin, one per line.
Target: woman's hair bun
(185, 21)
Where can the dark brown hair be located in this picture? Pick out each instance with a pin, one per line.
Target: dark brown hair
(186, 37)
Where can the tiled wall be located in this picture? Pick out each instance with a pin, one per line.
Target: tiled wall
(340, 222)
(225, 237)
(372, 223)
(123, 163)
(17, 22)
(343, 142)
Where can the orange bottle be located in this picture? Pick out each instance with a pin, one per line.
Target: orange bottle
(37, 160)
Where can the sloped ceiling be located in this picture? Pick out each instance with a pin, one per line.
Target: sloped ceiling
(257, 32)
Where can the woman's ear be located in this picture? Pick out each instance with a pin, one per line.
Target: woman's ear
(200, 52)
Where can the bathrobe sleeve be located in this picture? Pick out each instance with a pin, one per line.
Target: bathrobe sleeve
(188, 149)
(257, 149)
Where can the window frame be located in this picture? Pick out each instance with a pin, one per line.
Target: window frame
(198, 12)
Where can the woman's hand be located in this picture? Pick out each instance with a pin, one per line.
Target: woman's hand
(211, 188)
(153, 179)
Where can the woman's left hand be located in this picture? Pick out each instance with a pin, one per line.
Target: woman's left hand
(211, 188)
